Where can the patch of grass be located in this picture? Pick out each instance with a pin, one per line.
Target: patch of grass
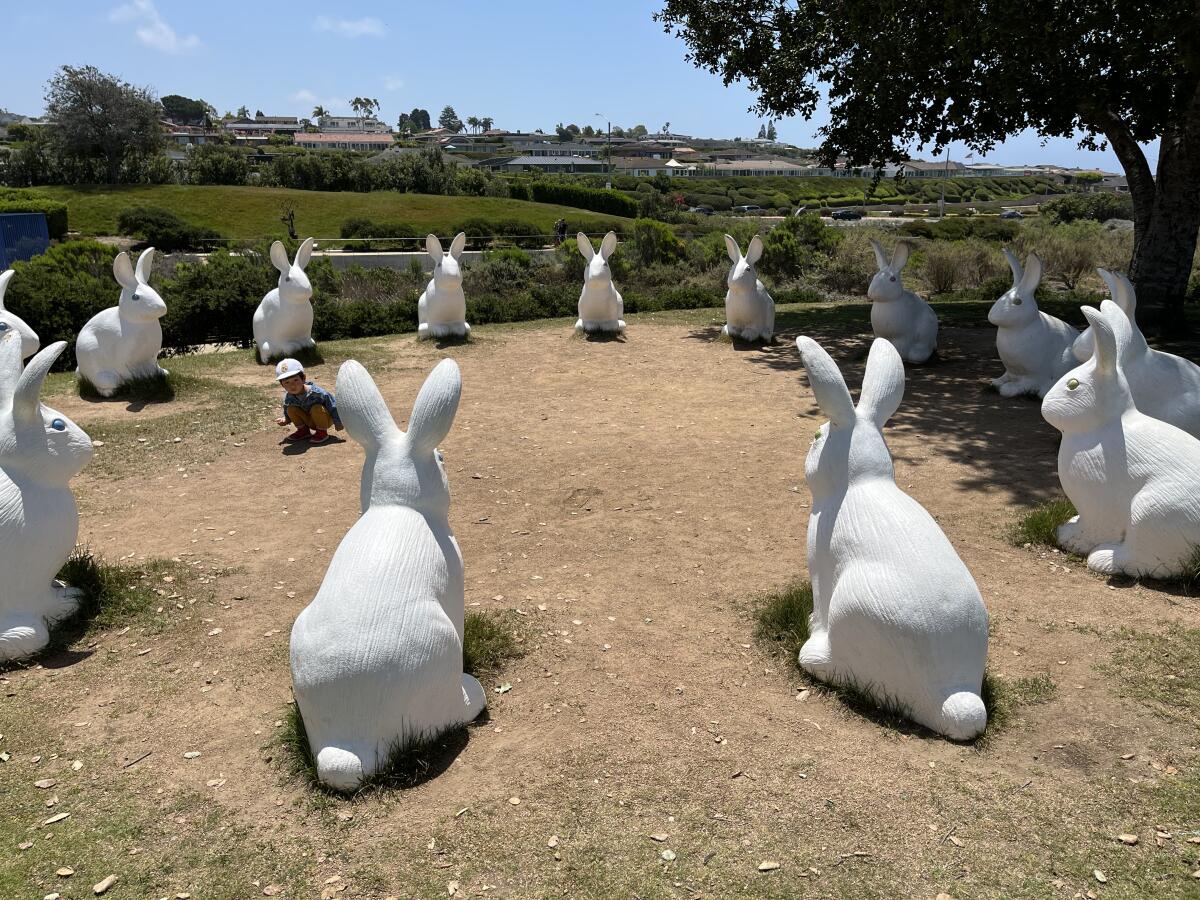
(306, 356)
(1160, 669)
(783, 618)
(143, 389)
(1040, 526)
(490, 639)
(1002, 697)
(252, 213)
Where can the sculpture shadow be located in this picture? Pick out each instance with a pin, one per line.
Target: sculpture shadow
(138, 393)
(602, 337)
(454, 340)
(298, 448)
(307, 357)
(1004, 444)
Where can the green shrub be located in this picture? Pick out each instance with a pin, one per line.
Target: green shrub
(957, 229)
(653, 242)
(565, 193)
(380, 235)
(1097, 207)
(164, 230)
(54, 210)
(216, 164)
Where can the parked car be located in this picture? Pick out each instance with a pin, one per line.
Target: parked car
(896, 212)
(748, 208)
(1012, 214)
(846, 215)
(701, 210)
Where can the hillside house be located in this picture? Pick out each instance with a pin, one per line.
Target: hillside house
(344, 141)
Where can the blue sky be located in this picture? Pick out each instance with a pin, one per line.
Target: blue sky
(526, 64)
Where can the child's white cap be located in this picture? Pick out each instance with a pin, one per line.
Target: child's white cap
(286, 368)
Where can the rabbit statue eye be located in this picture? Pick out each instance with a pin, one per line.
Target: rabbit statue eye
(58, 425)
(1072, 384)
(3, 327)
(892, 278)
(1017, 301)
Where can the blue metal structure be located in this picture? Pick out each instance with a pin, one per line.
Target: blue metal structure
(22, 236)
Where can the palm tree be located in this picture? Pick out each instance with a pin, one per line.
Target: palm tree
(486, 123)
(319, 112)
(473, 123)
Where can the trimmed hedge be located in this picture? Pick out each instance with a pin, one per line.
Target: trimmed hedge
(162, 229)
(54, 210)
(566, 193)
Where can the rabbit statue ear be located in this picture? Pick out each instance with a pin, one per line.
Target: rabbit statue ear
(362, 407)
(1106, 353)
(732, 248)
(900, 255)
(144, 264)
(5, 278)
(1110, 281)
(883, 383)
(434, 248)
(826, 381)
(304, 252)
(458, 244)
(1126, 296)
(1032, 277)
(585, 246)
(123, 271)
(1014, 264)
(880, 257)
(29, 385)
(435, 407)
(11, 365)
(608, 245)
(754, 251)
(279, 258)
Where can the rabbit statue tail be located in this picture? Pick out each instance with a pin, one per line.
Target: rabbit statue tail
(339, 768)
(964, 716)
(474, 697)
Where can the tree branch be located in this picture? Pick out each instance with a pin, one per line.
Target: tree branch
(1133, 161)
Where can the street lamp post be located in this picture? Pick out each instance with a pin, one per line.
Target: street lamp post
(608, 121)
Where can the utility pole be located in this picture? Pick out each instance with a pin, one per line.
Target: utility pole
(608, 184)
(945, 175)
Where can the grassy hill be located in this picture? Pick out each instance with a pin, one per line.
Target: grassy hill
(252, 213)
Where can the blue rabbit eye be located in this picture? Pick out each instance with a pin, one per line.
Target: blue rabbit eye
(58, 425)
(3, 326)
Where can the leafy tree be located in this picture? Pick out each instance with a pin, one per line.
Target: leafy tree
(96, 115)
(449, 120)
(420, 120)
(666, 129)
(638, 131)
(404, 124)
(589, 131)
(1121, 72)
(772, 134)
(243, 112)
(762, 132)
(258, 114)
(184, 110)
(563, 134)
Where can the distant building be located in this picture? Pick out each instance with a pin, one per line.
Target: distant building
(558, 164)
(752, 168)
(352, 125)
(263, 125)
(344, 141)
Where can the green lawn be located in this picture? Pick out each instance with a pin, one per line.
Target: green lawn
(252, 213)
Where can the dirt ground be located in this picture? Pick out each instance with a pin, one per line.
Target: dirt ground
(631, 501)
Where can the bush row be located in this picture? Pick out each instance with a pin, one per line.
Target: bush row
(27, 202)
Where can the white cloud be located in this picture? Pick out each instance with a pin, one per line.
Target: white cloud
(304, 95)
(151, 29)
(392, 83)
(351, 28)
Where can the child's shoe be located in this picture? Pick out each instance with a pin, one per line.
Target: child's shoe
(300, 434)
(319, 436)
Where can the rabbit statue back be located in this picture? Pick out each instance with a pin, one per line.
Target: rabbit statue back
(41, 450)
(10, 321)
(1034, 347)
(123, 341)
(898, 315)
(283, 321)
(895, 610)
(1134, 479)
(749, 309)
(601, 308)
(1163, 385)
(377, 657)
(442, 309)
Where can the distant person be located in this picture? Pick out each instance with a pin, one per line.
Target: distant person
(310, 408)
(560, 231)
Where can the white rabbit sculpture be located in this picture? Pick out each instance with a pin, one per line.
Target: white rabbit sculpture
(41, 450)
(1035, 347)
(1163, 385)
(895, 611)
(1134, 478)
(123, 341)
(442, 309)
(601, 308)
(898, 315)
(749, 309)
(283, 321)
(11, 322)
(377, 657)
